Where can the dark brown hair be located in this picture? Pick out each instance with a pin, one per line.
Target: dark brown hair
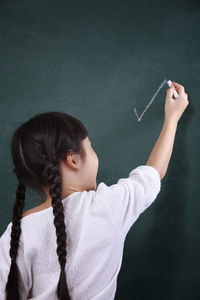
(37, 148)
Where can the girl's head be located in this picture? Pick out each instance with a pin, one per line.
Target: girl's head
(51, 152)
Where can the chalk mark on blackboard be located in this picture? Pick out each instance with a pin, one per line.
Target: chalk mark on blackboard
(156, 93)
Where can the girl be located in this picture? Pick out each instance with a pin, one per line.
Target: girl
(71, 246)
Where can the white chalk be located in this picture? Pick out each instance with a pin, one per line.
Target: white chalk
(176, 95)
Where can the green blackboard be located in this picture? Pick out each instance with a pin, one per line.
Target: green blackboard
(97, 60)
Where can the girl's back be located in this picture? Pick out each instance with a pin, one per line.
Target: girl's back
(96, 225)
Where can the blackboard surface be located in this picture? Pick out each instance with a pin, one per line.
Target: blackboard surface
(97, 60)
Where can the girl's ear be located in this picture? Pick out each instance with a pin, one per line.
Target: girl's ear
(72, 160)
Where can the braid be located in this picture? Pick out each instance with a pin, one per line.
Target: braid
(37, 147)
(12, 286)
(54, 179)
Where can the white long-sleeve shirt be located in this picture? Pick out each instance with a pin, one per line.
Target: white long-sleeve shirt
(97, 223)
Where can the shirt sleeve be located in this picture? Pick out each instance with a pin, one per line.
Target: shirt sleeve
(6, 263)
(130, 196)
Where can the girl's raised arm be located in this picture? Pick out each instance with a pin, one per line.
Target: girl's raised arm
(162, 150)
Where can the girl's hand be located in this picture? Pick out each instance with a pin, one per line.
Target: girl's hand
(174, 108)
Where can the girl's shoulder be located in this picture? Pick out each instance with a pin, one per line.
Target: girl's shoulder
(34, 210)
